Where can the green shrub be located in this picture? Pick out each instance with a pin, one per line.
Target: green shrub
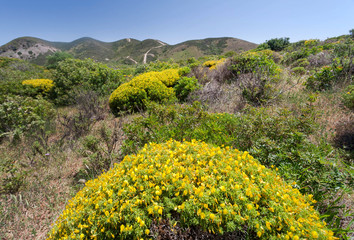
(11, 176)
(299, 70)
(191, 184)
(324, 79)
(302, 62)
(55, 58)
(73, 74)
(278, 44)
(257, 74)
(348, 97)
(24, 115)
(185, 86)
(14, 71)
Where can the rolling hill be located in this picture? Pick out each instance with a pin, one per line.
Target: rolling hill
(127, 51)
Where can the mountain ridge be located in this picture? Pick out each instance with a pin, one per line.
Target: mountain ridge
(127, 50)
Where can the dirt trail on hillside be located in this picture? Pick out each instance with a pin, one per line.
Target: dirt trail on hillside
(147, 53)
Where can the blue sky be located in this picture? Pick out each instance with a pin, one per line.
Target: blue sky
(175, 21)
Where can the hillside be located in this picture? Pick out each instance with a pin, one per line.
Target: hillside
(127, 51)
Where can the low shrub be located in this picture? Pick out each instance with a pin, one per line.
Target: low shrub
(324, 79)
(299, 70)
(71, 75)
(257, 75)
(185, 86)
(24, 116)
(348, 97)
(193, 185)
(213, 64)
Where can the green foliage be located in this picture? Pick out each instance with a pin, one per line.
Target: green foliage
(277, 44)
(73, 74)
(99, 152)
(54, 59)
(194, 185)
(11, 176)
(299, 70)
(324, 79)
(185, 86)
(348, 97)
(24, 116)
(351, 31)
(14, 71)
(257, 73)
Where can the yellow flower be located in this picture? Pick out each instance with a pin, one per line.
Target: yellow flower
(147, 231)
(314, 234)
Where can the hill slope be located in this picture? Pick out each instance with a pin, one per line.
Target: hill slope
(128, 51)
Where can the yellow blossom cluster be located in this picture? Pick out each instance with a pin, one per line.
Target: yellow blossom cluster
(44, 85)
(217, 189)
(152, 86)
(311, 42)
(214, 64)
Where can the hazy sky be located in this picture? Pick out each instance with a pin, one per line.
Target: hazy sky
(174, 21)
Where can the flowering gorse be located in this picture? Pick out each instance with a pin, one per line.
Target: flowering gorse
(214, 64)
(191, 184)
(44, 85)
(151, 86)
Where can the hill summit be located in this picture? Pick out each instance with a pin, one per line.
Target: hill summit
(127, 51)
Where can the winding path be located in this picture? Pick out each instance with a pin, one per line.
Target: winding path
(147, 53)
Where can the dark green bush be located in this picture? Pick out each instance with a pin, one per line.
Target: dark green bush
(325, 78)
(277, 44)
(72, 75)
(54, 59)
(185, 86)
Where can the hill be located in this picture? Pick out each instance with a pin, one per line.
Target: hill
(127, 51)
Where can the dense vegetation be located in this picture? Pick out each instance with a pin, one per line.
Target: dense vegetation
(181, 149)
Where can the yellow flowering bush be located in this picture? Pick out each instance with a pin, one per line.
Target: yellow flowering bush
(131, 96)
(44, 85)
(216, 189)
(213, 64)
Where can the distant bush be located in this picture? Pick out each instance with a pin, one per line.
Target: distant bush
(132, 96)
(54, 59)
(302, 62)
(213, 64)
(324, 79)
(277, 44)
(24, 116)
(348, 97)
(299, 70)
(43, 86)
(73, 74)
(191, 185)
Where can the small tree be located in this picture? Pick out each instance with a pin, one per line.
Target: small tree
(278, 44)
(351, 32)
